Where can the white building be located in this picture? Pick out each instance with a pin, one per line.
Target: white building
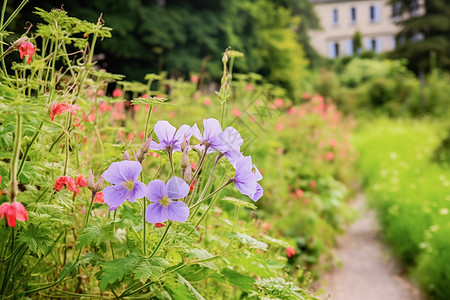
(340, 19)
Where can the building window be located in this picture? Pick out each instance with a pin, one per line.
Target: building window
(414, 8)
(349, 47)
(397, 10)
(374, 13)
(353, 15)
(335, 17)
(333, 49)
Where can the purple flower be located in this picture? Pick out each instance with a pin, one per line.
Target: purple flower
(211, 136)
(123, 175)
(169, 136)
(245, 179)
(163, 195)
(232, 140)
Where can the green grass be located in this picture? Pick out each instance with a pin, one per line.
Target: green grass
(411, 194)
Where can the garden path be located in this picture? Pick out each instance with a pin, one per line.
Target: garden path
(368, 272)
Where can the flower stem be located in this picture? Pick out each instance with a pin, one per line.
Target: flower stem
(161, 240)
(25, 154)
(210, 195)
(147, 122)
(18, 141)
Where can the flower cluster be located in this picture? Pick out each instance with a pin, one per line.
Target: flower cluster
(72, 184)
(124, 175)
(59, 108)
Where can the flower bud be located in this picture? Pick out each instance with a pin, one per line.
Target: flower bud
(185, 159)
(187, 174)
(99, 184)
(146, 144)
(184, 144)
(90, 181)
(126, 156)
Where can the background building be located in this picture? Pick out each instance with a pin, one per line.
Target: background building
(341, 19)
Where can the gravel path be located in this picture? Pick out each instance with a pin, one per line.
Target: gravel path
(368, 271)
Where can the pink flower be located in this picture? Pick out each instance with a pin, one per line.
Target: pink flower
(236, 112)
(313, 184)
(330, 156)
(280, 150)
(68, 181)
(59, 108)
(306, 95)
(249, 87)
(145, 96)
(333, 143)
(290, 251)
(13, 211)
(279, 102)
(142, 135)
(299, 193)
(279, 126)
(207, 102)
(27, 48)
(80, 181)
(194, 78)
(100, 93)
(117, 93)
(99, 198)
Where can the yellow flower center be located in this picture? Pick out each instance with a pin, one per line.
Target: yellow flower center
(165, 201)
(129, 184)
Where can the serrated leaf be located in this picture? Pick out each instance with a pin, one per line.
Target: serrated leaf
(173, 257)
(97, 234)
(151, 268)
(116, 269)
(239, 280)
(179, 292)
(192, 290)
(248, 241)
(274, 241)
(240, 203)
(38, 239)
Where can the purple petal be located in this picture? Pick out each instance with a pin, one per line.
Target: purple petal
(212, 128)
(178, 211)
(183, 131)
(130, 169)
(231, 138)
(244, 179)
(176, 188)
(164, 131)
(233, 156)
(156, 213)
(112, 174)
(156, 190)
(257, 174)
(139, 191)
(155, 146)
(196, 132)
(113, 196)
(258, 194)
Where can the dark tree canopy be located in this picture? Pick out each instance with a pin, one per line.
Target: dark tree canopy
(425, 39)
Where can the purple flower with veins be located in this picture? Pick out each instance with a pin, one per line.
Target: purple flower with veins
(210, 137)
(163, 195)
(123, 175)
(246, 178)
(232, 140)
(169, 137)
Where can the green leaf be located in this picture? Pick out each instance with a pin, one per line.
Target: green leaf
(192, 290)
(240, 203)
(179, 292)
(248, 241)
(239, 280)
(38, 239)
(151, 268)
(116, 269)
(71, 267)
(200, 254)
(97, 234)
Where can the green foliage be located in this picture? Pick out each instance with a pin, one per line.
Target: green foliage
(410, 194)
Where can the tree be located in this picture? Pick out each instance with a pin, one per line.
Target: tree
(426, 36)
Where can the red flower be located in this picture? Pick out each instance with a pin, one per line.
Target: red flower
(26, 48)
(330, 156)
(290, 251)
(159, 225)
(80, 181)
(13, 211)
(207, 102)
(236, 112)
(99, 198)
(191, 188)
(59, 108)
(66, 180)
(299, 193)
(117, 93)
(194, 78)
